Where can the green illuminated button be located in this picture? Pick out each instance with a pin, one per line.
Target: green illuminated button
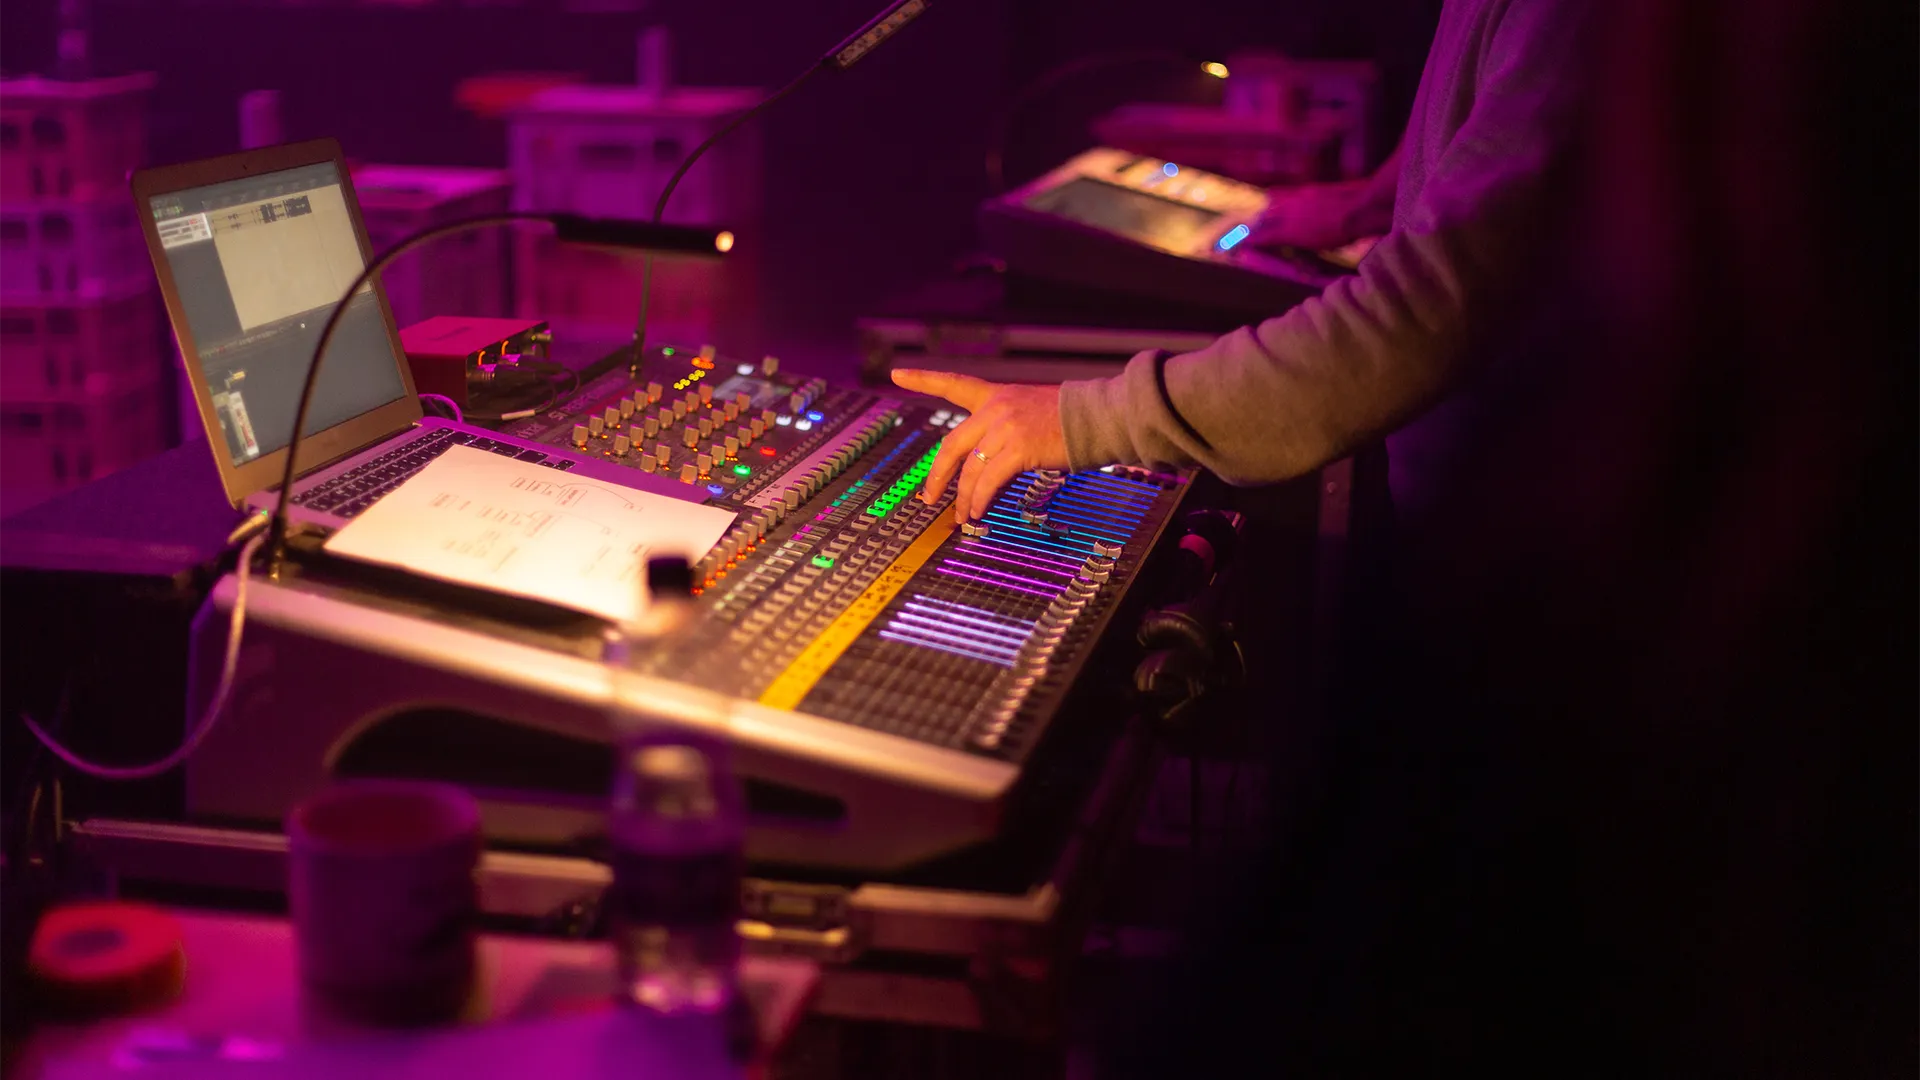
(824, 562)
(743, 470)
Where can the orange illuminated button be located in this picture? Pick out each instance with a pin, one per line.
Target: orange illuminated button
(766, 451)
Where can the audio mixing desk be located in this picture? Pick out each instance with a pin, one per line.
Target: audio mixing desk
(889, 682)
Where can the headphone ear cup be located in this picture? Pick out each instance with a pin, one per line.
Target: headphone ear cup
(1176, 629)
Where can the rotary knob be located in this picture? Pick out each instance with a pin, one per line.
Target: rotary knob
(596, 426)
(621, 446)
(654, 390)
(580, 434)
(611, 416)
(626, 408)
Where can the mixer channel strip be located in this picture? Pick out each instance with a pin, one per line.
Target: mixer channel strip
(971, 655)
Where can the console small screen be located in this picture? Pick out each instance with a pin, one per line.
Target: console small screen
(1150, 219)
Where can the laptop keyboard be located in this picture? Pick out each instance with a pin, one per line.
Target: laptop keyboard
(347, 494)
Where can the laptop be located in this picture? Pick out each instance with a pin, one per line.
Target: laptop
(253, 250)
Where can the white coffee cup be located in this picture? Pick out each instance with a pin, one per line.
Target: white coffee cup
(382, 892)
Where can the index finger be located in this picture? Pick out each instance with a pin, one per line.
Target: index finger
(963, 390)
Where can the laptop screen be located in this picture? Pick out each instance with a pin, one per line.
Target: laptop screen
(258, 264)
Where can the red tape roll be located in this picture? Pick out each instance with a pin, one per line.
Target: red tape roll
(106, 956)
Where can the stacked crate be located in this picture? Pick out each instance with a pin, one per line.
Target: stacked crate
(463, 274)
(84, 369)
(607, 151)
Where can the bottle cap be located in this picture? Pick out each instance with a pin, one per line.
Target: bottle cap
(669, 575)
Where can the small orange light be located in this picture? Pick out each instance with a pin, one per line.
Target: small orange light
(1214, 68)
(724, 242)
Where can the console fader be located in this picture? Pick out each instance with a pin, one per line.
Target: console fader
(837, 593)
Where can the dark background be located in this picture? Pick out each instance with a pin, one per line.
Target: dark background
(872, 175)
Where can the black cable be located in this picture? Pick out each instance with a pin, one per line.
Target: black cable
(554, 394)
(686, 163)
(1002, 125)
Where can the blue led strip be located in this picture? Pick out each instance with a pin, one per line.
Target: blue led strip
(1080, 537)
(1098, 526)
(1098, 476)
(1114, 501)
(1100, 504)
(979, 627)
(1019, 529)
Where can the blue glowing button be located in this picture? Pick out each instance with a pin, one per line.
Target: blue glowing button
(716, 489)
(816, 417)
(1234, 236)
(1170, 169)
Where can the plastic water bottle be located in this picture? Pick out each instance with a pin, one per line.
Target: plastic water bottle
(676, 832)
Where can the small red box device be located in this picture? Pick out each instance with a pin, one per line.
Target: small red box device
(446, 350)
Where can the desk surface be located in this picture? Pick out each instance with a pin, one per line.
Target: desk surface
(545, 1009)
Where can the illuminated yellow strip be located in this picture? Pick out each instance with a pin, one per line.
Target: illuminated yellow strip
(822, 651)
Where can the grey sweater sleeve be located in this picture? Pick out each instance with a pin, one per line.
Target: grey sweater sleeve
(1274, 401)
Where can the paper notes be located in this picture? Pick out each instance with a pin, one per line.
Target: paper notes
(515, 527)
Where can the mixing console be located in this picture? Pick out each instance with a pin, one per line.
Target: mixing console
(891, 684)
(838, 594)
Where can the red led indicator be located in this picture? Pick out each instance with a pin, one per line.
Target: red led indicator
(766, 451)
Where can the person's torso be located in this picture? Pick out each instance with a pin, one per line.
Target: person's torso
(1419, 453)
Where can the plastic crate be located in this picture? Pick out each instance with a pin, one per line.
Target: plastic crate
(65, 249)
(606, 151)
(48, 447)
(51, 353)
(72, 140)
(465, 274)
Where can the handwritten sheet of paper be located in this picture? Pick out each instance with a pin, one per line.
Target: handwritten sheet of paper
(514, 527)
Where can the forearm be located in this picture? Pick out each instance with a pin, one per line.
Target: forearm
(1271, 402)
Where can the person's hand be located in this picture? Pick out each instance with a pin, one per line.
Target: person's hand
(1312, 217)
(1012, 429)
